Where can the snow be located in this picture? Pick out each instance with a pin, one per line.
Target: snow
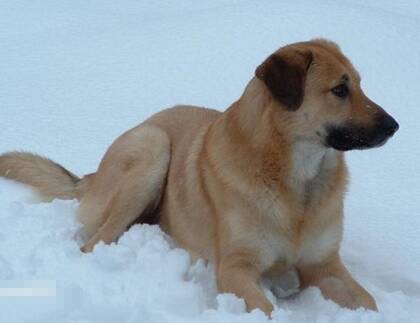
(74, 74)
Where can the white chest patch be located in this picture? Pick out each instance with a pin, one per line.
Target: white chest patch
(307, 158)
(273, 248)
(318, 246)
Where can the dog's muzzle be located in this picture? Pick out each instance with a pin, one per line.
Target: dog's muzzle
(354, 136)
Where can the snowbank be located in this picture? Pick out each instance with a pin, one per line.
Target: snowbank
(144, 278)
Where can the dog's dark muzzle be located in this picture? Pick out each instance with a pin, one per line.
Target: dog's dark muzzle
(354, 136)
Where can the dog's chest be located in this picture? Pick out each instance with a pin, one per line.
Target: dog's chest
(296, 230)
(289, 223)
(290, 245)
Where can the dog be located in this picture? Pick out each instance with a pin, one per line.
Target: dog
(257, 190)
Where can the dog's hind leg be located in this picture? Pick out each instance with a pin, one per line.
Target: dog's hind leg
(130, 178)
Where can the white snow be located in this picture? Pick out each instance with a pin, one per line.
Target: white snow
(74, 74)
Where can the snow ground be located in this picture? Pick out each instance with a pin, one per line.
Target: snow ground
(71, 69)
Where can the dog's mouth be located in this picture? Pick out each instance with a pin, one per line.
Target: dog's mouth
(353, 136)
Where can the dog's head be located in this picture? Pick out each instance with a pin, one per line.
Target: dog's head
(319, 89)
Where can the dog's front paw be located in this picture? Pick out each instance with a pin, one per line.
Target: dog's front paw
(88, 247)
(260, 303)
(350, 295)
(368, 302)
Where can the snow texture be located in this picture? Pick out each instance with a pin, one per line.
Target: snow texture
(74, 74)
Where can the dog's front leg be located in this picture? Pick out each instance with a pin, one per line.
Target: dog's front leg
(238, 274)
(337, 284)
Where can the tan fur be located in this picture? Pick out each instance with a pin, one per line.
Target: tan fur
(253, 189)
(50, 179)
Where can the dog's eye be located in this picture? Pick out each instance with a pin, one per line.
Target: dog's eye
(342, 91)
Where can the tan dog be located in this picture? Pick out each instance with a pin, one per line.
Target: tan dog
(257, 189)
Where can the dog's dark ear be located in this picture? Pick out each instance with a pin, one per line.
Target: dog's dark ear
(284, 73)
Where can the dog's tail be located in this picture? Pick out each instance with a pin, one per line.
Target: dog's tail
(50, 179)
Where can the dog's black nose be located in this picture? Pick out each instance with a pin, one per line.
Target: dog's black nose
(389, 125)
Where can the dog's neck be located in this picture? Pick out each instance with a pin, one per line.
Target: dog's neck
(307, 159)
(314, 167)
(247, 128)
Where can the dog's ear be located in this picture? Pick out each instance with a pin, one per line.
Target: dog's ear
(284, 73)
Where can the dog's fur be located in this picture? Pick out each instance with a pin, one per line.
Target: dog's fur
(257, 189)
